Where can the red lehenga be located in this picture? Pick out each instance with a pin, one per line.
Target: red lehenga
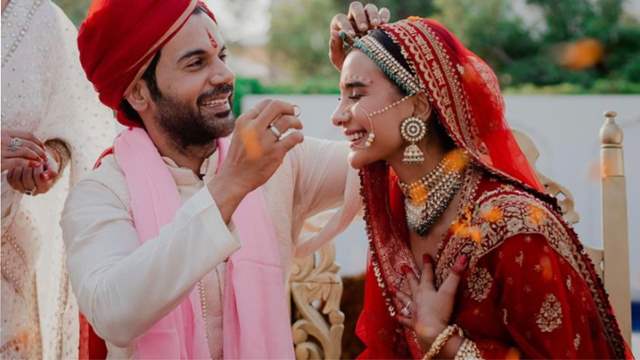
(530, 290)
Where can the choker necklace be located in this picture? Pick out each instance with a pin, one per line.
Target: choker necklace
(427, 198)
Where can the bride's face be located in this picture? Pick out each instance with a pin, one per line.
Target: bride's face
(365, 89)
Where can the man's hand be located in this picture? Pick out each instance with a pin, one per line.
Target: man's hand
(355, 23)
(255, 152)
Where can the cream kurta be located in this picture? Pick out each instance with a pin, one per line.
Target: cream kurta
(124, 288)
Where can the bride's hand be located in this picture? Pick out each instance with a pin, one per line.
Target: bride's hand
(428, 310)
(21, 149)
(356, 22)
(32, 181)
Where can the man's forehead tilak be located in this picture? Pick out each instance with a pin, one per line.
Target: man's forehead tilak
(214, 35)
(212, 39)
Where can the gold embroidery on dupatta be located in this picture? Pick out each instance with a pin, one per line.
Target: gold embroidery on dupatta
(520, 258)
(523, 213)
(550, 315)
(576, 342)
(448, 251)
(479, 283)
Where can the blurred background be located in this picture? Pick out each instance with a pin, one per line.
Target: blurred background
(561, 64)
(536, 46)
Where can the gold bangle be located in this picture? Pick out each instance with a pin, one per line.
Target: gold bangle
(468, 351)
(441, 341)
(61, 149)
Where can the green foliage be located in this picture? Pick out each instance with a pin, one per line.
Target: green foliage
(300, 36)
(247, 86)
(399, 9)
(522, 55)
(76, 10)
(525, 56)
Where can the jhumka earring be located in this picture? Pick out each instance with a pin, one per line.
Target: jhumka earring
(413, 130)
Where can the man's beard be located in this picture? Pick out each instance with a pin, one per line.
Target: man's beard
(187, 126)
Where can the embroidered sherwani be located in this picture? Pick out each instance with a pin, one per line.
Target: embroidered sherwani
(123, 287)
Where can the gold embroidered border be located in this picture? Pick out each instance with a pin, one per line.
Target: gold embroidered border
(517, 207)
(479, 283)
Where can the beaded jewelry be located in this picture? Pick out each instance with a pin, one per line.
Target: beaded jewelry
(427, 198)
(388, 64)
(413, 130)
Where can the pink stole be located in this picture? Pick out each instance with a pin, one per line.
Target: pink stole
(255, 310)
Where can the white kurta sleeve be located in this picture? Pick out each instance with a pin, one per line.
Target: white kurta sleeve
(321, 169)
(324, 180)
(123, 287)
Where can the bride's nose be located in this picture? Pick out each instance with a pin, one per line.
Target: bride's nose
(341, 116)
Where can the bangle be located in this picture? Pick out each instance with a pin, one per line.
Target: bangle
(468, 351)
(61, 150)
(441, 341)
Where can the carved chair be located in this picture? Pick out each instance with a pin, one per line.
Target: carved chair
(316, 291)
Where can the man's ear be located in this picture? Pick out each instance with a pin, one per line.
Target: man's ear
(139, 97)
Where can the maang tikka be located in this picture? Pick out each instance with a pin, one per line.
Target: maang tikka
(413, 130)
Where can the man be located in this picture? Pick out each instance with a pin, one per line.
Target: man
(148, 234)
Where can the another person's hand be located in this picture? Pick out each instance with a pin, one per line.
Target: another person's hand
(32, 181)
(428, 310)
(257, 148)
(21, 149)
(345, 27)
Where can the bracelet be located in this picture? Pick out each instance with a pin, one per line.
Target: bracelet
(468, 351)
(441, 341)
(63, 152)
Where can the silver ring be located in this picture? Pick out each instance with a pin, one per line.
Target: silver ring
(30, 192)
(405, 310)
(275, 131)
(14, 144)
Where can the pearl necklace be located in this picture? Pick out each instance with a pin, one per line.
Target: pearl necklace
(427, 198)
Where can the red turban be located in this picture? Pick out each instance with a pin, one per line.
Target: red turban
(119, 38)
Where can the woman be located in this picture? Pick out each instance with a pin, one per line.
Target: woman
(53, 128)
(451, 200)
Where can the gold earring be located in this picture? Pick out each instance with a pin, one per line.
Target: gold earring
(413, 130)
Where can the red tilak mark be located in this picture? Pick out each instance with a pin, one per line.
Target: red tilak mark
(213, 41)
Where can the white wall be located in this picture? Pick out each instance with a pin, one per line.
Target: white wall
(565, 129)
